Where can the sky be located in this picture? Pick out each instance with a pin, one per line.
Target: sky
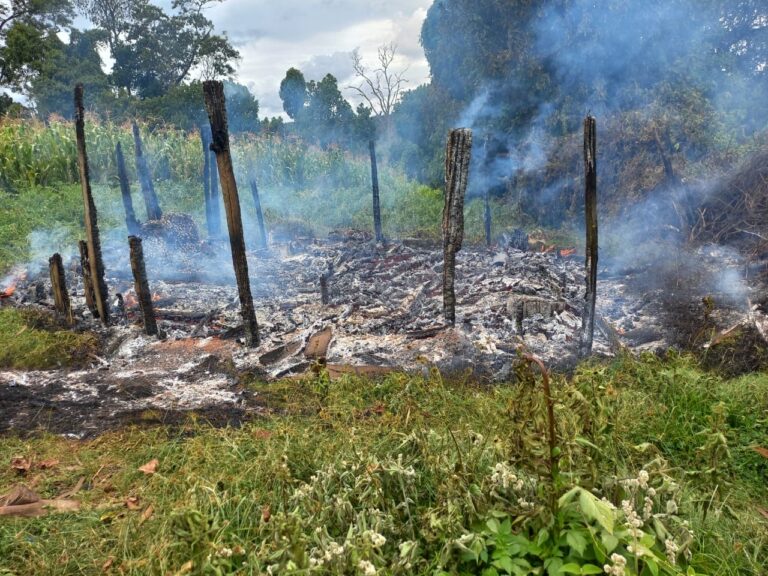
(318, 37)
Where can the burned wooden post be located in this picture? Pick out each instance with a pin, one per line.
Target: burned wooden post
(590, 210)
(259, 214)
(90, 296)
(375, 190)
(95, 263)
(457, 157)
(324, 289)
(125, 190)
(487, 219)
(59, 288)
(215, 104)
(145, 178)
(141, 285)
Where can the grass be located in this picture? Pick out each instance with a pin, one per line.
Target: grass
(406, 457)
(32, 340)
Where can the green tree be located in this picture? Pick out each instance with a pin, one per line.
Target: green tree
(328, 118)
(27, 28)
(293, 92)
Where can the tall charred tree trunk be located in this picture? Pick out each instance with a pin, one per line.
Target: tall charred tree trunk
(141, 285)
(145, 177)
(217, 113)
(59, 287)
(259, 214)
(590, 210)
(125, 190)
(457, 157)
(96, 264)
(85, 265)
(375, 190)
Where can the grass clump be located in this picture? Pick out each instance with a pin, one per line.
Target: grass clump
(414, 475)
(32, 340)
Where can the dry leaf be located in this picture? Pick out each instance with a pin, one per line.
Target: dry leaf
(28, 510)
(150, 467)
(108, 564)
(760, 450)
(764, 512)
(20, 494)
(147, 514)
(20, 464)
(266, 513)
(45, 464)
(74, 490)
(186, 568)
(62, 505)
(132, 503)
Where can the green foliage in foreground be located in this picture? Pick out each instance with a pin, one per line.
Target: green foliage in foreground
(413, 475)
(31, 340)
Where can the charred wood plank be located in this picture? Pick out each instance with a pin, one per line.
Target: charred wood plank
(59, 288)
(90, 295)
(215, 104)
(96, 264)
(214, 197)
(141, 285)
(125, 191)
(457, 157)
(259, 214)
(375, 191)
(145, 177)
(590, 211)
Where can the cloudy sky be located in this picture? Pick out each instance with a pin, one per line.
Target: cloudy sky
(318, 36)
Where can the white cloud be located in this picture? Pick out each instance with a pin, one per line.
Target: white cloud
(318, 37)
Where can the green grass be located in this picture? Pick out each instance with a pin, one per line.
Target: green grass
(31, 340)
(408, 457)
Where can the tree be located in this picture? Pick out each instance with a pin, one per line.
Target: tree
(328, 118)
(293, 92)
(381, 87)
(27, 28)
(154, 50)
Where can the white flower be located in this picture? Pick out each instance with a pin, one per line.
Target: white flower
(225, 552)
(377, 539)
(671, 549)
(367, 568)
(642, 478)
(671, 507)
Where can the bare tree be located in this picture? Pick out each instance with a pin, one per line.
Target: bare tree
(381, 87)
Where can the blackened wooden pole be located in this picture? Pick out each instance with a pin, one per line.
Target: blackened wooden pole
(215, 104)
(457, 157)
(375, 190)
(59, 288)
(141, 285)
(259, 214)
(96, 264)
(125, 190)
(205, 139)
(324, 289)
(487, 219)
(214, 198)
(145, 178)
(590, 210)
(90, 293)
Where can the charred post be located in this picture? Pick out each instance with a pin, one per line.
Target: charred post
(375, 190)
(125, 190)
(324, 289)
(487, 219)
(59, 287)
(206, 142)
(215, 104)
(590, 210)
(457, 157)
(145, 178)
(259, 214)
(95, 263)
(90, 296)
(141, 285)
